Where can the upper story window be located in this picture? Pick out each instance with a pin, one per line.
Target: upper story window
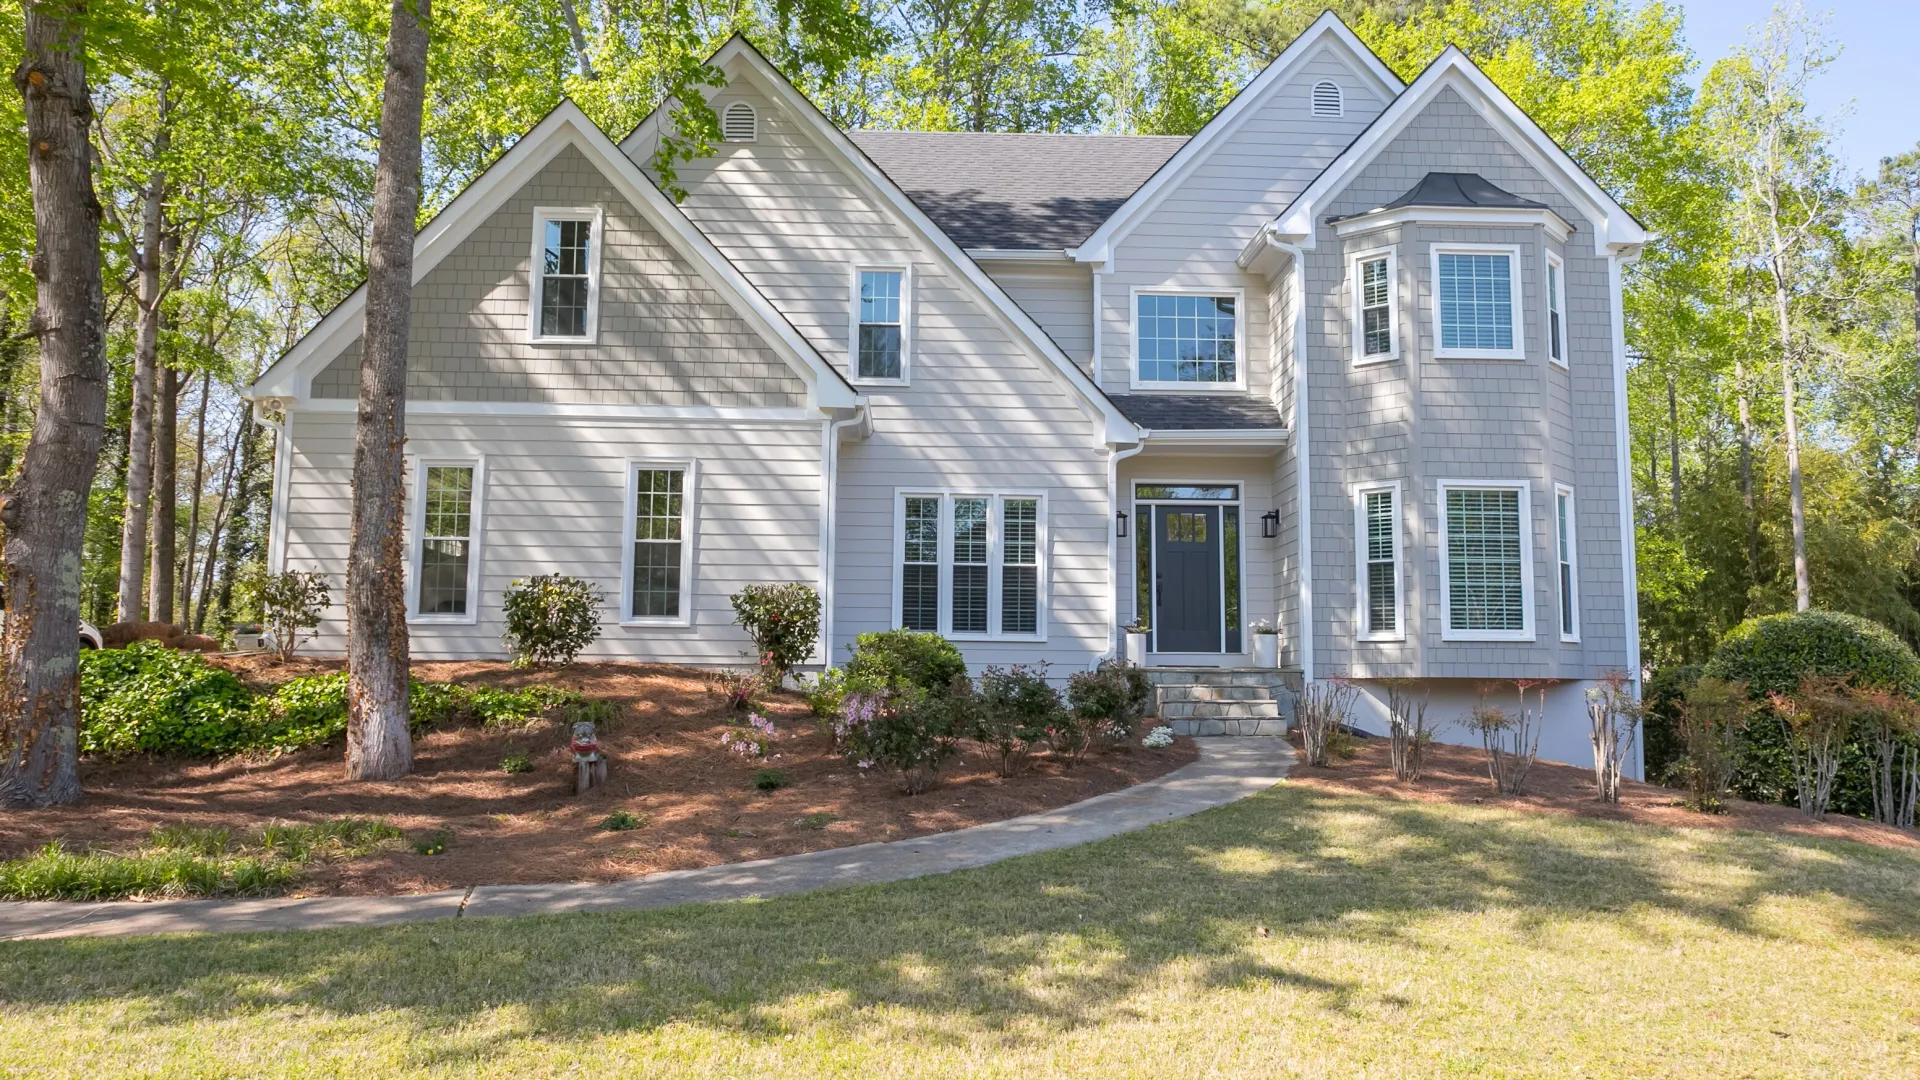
(1476, 299)
(1556, 309)
(1327, 99)
(880, 324)
(566, 287)
(445, 580)
(1184, 339)
(1487, 561)
(739, 123)
(1376, 309)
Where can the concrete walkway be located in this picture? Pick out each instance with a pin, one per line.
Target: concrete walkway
(1228, 769)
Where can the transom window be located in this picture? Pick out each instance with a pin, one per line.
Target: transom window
(445, 564)
(1187, 339)
(970, 565)
(880, 330)
(660, 512)
(1377, 537)
(566, 259)
(1484, 543)
(1477, 304)
(1375, 307)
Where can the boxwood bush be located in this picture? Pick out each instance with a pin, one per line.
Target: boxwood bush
(903, 658)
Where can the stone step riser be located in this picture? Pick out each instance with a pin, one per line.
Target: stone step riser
(1219, 709)
(1215, 693)
(1268, 726)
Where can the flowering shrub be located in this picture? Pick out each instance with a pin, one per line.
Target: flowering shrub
(906, 729)
(1112, 698)
(1159, 738)
(784, 622)
(291, 601)
(551, 618)
(751, 741)
(740, 688)
(1014, 709)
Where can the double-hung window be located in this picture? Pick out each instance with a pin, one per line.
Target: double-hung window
(880, 325)
(971, 565)
(657, 584)
(565, 292)
(1556, 309)
(1487, 561)
(1375, 307)
(445, 578)
(1569, 573)
(1187, 340)
(1476, 298)
(1377, 538)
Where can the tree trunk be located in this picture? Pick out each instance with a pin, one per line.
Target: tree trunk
(378, 744)
(199, 492)
(222, 512)
(166, 490)
(44, 514)
(146, 346)
(240, 518)
(1802, 580)
(1913, 234)
(582, 62)
(1673, 450)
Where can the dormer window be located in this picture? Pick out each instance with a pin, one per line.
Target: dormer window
(565, 295)
(1328, 100)
(739, 123)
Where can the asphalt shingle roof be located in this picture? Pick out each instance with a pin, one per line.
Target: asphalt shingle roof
(1017, 190)
(1198, 412)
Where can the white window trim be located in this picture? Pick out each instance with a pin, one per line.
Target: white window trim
(1556, 290)
(596, 244)
(1514, 293)
(416, 535)
(1360, 562)
(1569, 599)
(995, 538)
(1134, 381)
(1526, 631)
(689, 533)
(906, 323)
(1360, 359)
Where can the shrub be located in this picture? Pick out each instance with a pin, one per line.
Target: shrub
(750, 740)
(1711, 722)
(551, 618)
(824, 693)
(1114, 696)
(1613, 716)
(147, 698)
(1511, 739)
(516, 762)
(290, 602)
(908, 729)
(784, 623)
(624, 821)
(1012, 713)
(740, 689)
(897, 659)
(498, 708)
(769, 779)
(1408, 730)
(1158, 739)
(1324, 707)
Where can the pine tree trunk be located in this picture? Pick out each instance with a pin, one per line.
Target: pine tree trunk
(146, 348)
(166, 493)
(199, 492)
(378, 744)
(44, 514)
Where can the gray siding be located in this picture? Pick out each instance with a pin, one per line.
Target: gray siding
(666, 337)
(1059, 296)
(1421, 419)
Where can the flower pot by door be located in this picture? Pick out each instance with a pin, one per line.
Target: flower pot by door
(1137, 649)
(1266, 650)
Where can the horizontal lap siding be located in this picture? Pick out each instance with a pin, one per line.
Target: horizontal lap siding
(555, 501)
(1059, 296)
(982, 414)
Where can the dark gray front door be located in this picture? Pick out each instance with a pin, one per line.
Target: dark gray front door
(1186, 571)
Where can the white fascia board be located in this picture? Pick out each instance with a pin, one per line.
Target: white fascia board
(1018, 254)
(1217, 438)
(1117, 429)
(1327, 32)
(1614, 226)
(292, 375)
(1556, 226)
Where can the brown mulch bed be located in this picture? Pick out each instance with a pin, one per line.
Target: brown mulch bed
(1458, 774)
(667, 764)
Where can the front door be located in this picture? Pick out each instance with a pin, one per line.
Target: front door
(1186, 572)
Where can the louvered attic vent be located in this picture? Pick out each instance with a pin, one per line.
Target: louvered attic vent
(739, 123)
(1327, 100)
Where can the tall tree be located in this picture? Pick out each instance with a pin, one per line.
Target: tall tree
(146, 351)
(378, 745)
(1892, 205)
(44, 514)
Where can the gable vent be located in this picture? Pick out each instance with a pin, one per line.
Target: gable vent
(1327, 100)
(740, 123)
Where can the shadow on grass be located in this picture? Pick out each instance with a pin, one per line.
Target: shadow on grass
(1033, 945)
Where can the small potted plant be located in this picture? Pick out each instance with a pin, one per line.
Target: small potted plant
(1266, 644)
(1137, 642)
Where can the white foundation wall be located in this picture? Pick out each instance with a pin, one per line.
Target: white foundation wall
(1565, 738)
(555, 500)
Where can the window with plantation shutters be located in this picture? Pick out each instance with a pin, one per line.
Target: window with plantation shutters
(1020, 566)
(1476, 300)
(971, 566)
(1485, 548)
(1377, 527)
(1376, 313)
(920, 566)
(1569, 578)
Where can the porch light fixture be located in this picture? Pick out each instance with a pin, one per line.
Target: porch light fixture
(1270, 524)
(1120, 523)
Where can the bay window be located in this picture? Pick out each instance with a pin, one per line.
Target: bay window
(1486, 562)
(1476, 298)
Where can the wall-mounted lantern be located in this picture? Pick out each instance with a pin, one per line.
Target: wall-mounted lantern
(1270, 524)
(1120, 523)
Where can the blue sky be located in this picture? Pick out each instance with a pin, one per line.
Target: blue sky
(1866, 93)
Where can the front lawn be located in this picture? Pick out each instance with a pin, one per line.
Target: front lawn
(1304, 932)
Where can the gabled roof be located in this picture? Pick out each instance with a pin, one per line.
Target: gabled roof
(1614, 227)
(1007, 191)
(1327, 32)
(1117, 428)
(565, 126)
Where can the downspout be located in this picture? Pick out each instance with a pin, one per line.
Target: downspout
(1113, 550)
(829, 532)
(1301, 435)
(1630, 572)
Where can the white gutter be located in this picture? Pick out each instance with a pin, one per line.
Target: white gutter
(829, 534)
(1218, 438)
(1302, 436)
(1018, 254)
(1113, 550)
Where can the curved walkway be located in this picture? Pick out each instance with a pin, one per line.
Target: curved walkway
(1228, 769)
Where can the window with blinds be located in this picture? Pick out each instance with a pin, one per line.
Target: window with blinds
(970, 565)
(1380, 562)
(1373, 322)
(1486, 579)
(1569, 580)
(1476, 302)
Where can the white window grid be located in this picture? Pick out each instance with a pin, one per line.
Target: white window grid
(537, 276)
(1512, 301)
(419, 536)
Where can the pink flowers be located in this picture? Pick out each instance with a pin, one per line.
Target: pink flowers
(753, 742)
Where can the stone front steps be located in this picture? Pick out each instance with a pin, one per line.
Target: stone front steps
(1222, 701)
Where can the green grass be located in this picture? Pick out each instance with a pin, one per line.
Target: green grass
(1404, 939)
(181, 860)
